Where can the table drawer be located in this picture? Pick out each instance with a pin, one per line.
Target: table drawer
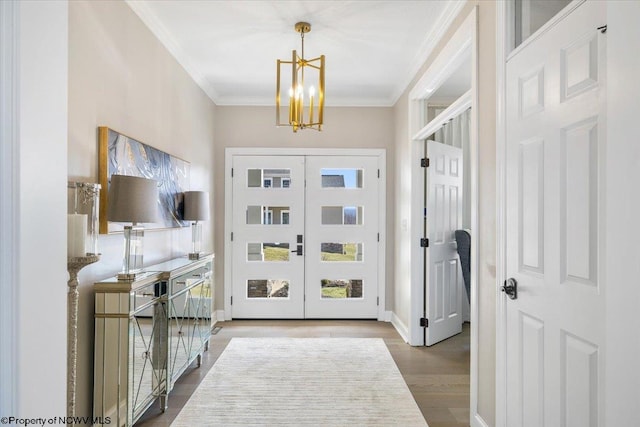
(188, 280)
(147, 294)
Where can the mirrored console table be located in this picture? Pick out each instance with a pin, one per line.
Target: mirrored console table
(147, 333)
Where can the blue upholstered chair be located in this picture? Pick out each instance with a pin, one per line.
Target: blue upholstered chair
(463, 240)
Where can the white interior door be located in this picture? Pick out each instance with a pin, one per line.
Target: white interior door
(554, 174)
(268, 217)
(342, 237)
(443, 218)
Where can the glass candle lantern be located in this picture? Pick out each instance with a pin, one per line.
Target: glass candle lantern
(82, 219)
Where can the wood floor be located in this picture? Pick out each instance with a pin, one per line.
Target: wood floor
(437, 376)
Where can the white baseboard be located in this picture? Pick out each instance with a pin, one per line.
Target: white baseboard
(218, 315)
(477, 421)
(400, 327)
(389, 316)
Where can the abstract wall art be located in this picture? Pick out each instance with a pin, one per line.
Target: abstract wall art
(122, 155)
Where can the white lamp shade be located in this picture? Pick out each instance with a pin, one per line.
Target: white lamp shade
(196, 205)
(132, 199)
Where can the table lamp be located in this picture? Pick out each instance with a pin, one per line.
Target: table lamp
(135, 200)
(196, 208)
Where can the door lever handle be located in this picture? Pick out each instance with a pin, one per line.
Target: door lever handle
(298, 250)
(510, 288)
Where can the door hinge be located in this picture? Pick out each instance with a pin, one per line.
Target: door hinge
(232, 236)
(378, 301)
(378, 173)
(378, 237)
(424, 322)
(231, 299)
(231, 172)
(424, 242)
(424, 162)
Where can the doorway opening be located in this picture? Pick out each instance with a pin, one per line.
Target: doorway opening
(446, 93)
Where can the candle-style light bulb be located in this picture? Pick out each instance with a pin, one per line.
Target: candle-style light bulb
(312, 92)
(299, 103)
(290, 105)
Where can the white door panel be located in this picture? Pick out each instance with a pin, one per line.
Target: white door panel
(342, 285)
(268, 279)
(555, 140)
(444, 217)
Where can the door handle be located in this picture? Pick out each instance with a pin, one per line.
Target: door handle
(510, 288)
(298, 250)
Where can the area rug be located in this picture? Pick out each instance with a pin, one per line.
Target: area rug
(302, 382)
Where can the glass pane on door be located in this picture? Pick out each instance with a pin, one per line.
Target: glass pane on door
(268, 252)
(341, 288)
(269, 178)
(342, 178)
(341, 252)
(268, 215)
(531, 15)
(267, 288)
(342, 215)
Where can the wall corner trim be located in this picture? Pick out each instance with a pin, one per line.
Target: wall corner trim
(448, 15)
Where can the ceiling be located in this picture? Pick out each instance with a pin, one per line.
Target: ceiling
(230, 48)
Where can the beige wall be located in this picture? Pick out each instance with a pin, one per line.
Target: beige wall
(487, 285)
(402, 201)
(487, 198)
(345, 128)
(121, 76)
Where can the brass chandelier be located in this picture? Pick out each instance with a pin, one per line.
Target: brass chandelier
(306, 87)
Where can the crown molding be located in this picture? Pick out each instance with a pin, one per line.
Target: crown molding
(162, 34)
(450, 12)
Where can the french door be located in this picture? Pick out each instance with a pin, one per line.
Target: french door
(305, 236)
